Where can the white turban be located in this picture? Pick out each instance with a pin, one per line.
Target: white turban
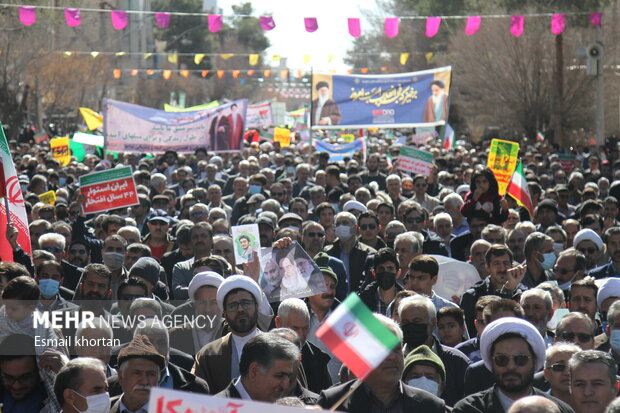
(610, 287)
(519, 326)
(354, 205)
(202, 279)
(246, 283)
(587, 234)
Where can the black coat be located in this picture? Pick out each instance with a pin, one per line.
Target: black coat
(181, 379)
(306, 396)
(487, 402)
(360, 261)
(314, 362)
(415, 400)
(456, 364)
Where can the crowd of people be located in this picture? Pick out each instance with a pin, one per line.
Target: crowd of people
(539, 331)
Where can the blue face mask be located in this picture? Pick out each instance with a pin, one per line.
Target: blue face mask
(424, 383)
(62, 181)
(49, 287)
(614, 340)
(548, 261)
(255, 189)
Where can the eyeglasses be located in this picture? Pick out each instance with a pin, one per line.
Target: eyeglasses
(502, 360)
(590, 250)
(130, 297)
(244, 304)
(582, 337)
(557, 367)
(368, 226)
(158, 223)
(421, 185)
(411, 220)
(53, 250)
(562, 271)
(316, 234)
(23, 379)
(277, 193)
(77, 252)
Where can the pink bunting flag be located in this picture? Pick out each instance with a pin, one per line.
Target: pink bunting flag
(27, 15)
(473, 25)
(432, 26)
(311, 24)
(119, 19)
(72, 17)
(391, 27)
(162, 20)
(596, 19)
(267, 23)
(355, 27)
(558, 23)
(215, 22)
(516, 25)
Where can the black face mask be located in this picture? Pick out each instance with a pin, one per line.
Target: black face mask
(414, 334)
(386, 280)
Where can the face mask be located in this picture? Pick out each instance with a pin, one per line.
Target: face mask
(343, 232)
(113, 260)
(565, 286)
(336, 207)
(614, 340)
(558, 247)
(255, 189)
(424, 383)
(290, 170)
(386, 280)
(97, 403)
(414, 334)
(24, 188)
(49, 287)
(548, 260)
(62, 181)
(61, 215)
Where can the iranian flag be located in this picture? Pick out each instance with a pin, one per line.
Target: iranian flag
(449, 140)
(12, 194)
(540, 137)
(517, 188)
(354, 335)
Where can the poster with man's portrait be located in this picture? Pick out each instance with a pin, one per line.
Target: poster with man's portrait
(246, 243)
(290, 272)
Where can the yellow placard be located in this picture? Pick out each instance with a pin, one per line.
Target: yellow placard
(283, 136)
(60, 150)
(503, 161)
(48, 197)
(348, 137)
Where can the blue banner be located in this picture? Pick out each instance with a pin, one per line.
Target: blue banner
(415, 99)
(337, 152)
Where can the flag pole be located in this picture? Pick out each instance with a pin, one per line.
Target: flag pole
(346, 395)
(8, 213)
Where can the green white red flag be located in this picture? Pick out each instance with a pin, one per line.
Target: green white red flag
(517, 188)
(10, 190)
(354, 335)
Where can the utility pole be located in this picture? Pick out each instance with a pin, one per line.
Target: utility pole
(600, 106)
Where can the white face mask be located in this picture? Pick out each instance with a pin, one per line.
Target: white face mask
(424, 383)
(97, 403)
(614, 340)
(113, 260)
(343, 232)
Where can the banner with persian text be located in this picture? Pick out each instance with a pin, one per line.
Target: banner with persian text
(415, 99)
(131, 128)
(110, 189)
(259, 115)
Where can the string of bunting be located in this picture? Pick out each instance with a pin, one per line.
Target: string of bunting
(253, 58)
(119, 19)
(167, 73)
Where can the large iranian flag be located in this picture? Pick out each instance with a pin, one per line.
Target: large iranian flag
(11, 191)
(354, 335)
(517, 188)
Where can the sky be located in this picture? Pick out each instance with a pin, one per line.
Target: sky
(289, 38)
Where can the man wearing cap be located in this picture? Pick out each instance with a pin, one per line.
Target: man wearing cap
(202, 292)
(354, 207)
(290, 220)
(140, 366)
(612, 268)
(201, 237)
(266, 231)
(424, 370)
(546, 214)
(513, 350)
(148, 270)
(383, 390)
(158, 238)
(239, 297)
(325, 110)
(590, 244)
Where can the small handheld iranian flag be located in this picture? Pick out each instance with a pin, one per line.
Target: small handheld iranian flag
(354, 335)
(540, 137)
(517, 188)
